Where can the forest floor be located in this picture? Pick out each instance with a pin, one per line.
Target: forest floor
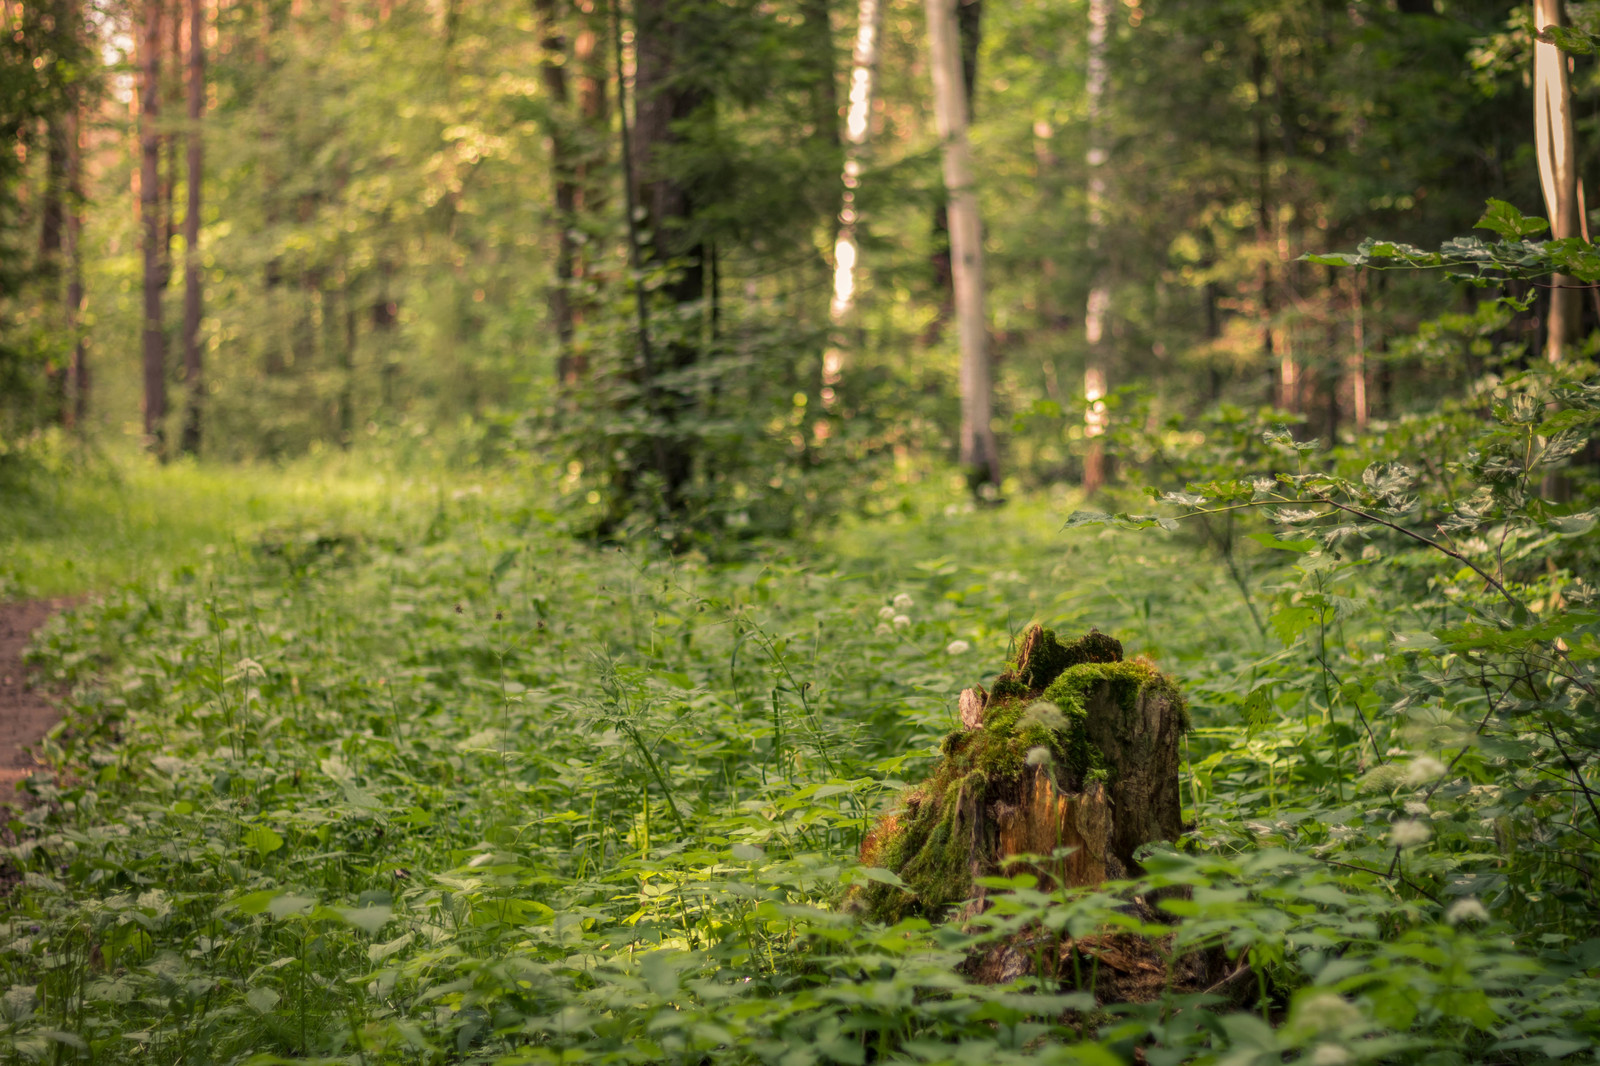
(27, 710)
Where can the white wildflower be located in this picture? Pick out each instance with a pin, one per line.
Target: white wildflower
(1466, 910)
(1417, 808)
(1371, 552)
(904, 602)
(1423, 769)
(901, 621)
(885, 612)
(1326, 1011)
(1329, 1055)
(1409, 833)
(1039, 756)
(245, 669)
(883, 629)
(957, 647)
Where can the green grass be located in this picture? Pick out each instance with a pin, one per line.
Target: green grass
(402, 775)
(79, 526)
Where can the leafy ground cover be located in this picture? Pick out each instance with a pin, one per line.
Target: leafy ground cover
(440, 784)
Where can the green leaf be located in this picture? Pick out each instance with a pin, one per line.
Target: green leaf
(1258, 710)
(1508, 222)
(379, 952)
(1290, 622)
(882, 876)
(1570, 40)
(367, 919)
(283, 906)
(262, 1000)
(263, 840)
(256, 902)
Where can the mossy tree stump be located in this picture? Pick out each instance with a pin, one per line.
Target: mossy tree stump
(1074, 748)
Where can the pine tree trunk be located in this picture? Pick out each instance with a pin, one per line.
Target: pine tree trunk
(193, 366)
(152, 238)
(979, 454)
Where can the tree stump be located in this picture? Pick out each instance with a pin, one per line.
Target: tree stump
(1074, 748)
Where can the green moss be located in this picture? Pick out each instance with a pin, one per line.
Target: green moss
(1128, 681)
(1007, 687)
(1042, 657)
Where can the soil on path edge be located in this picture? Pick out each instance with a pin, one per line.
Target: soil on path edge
(27, 712)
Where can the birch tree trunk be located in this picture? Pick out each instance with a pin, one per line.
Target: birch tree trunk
(857, 126)
(193, 367)
(152, 238)
(1558, 170)
(978, 451)
(1099, 304)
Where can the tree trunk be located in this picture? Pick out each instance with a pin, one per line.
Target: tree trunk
(1558, 171)
(172, 93)
(52, 209)
(1098, 308)
(663, 98)
(77, 406)
(155, 375)
(979, 453)
(858, 125)
(1356, 368)
(193, 367)
(553, 43)
(969, 33)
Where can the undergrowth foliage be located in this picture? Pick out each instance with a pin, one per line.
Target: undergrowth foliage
(479, 793)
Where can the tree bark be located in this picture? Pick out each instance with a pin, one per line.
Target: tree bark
(150, 218)
(858, 125)
(969, 34)
(193, 366)
(1098, 308)
(979, 453)
(663, 99)
(1356, 369)
(77, 405)
(553, 44)
(172, 93)
(1558, 171)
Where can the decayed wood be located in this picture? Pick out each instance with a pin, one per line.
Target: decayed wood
(1141, 742)
(1049, 819)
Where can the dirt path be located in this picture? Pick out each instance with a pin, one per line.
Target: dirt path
(26, 712)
